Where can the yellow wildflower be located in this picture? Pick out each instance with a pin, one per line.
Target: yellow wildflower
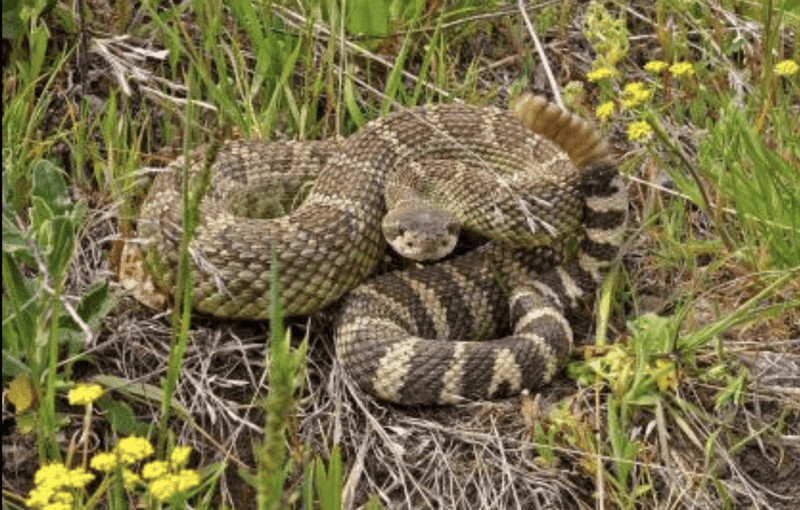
(57, 506)
(639, 131)
(164, 487)
(180, 455)
(39, 496)
(130, 479)
(78, 478)
(633, 94)
(666, 380)
(50, 479)
(681, 68)
(617, 359)
(63, 497)
(85, 394)
(655, 66)
(133, 449)
(53, 475)
(786, 67)
(605, 110)
(188, 478)
(104, 462)
(154, 469)
(598, 74)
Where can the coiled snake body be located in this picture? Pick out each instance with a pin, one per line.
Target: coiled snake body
(517, 183)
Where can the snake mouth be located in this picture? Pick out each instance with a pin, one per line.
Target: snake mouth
(413, 246)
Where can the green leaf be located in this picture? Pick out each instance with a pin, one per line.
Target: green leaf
(21, 393)
(122, 417)
(14, 240)
(26, 423)
(654, 333)
(50, 184)
(147, 391)
(20, 308)
(59, 249)
(38, 39)
(374, 503)
(790, 6)
(368, 17)
(329, 484)
(12, 23)
(50, 188)
(12, 364)
(94, 305)
(624, 450)
(394, 83)
(732, 392)
(351, 103)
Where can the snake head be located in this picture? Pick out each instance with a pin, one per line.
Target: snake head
(423, 233)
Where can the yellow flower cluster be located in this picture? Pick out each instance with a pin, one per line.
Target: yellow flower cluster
(130, 479)
(605, 110)
(180, 455)
(601, 73)
(52, 484)
(127, 451)
(155, 469)
(133, 449)
(170, 483)
(681, 68)
(786, 67)
(639, 131)
(169, 477)
(655, 66)
(106, 462)
(85, 394)
(165, 478)
(607, 34)
(633, 94)
(618, 368)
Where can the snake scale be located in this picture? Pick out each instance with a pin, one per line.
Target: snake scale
(532, 181)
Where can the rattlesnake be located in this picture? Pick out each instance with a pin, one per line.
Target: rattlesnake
(517, 183)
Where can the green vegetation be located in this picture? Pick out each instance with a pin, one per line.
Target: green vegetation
(682, 399)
